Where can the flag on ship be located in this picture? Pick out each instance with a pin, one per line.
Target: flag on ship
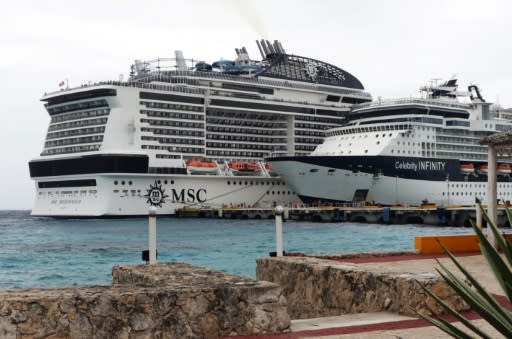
(62, 83)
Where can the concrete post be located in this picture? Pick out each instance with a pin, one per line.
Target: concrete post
(152, 235)
(279, 230)
(492, 195)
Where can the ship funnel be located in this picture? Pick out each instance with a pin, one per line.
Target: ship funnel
(263, 56)
(266, 48)
(281, 47)
(180, 61)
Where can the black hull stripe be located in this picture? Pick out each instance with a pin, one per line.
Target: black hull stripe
(430, 169)
(90, 164)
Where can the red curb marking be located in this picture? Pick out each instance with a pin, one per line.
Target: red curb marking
(392, 258)
(369, 258)
(386, 326)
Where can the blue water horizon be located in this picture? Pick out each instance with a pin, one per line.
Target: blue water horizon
(49, 252)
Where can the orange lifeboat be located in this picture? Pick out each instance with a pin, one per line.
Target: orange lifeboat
(467, 168)
(201, 166)
(503, 169)
(483, 169)
(244, 167)
(270, 169)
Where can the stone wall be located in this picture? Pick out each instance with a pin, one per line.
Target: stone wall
(148, 301)
(316, 288)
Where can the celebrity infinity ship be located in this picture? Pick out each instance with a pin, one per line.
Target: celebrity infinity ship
(183, 133)
(408, 151)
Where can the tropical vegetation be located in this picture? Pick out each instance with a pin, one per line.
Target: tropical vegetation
(473, 293)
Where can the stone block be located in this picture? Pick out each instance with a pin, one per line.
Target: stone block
(148, 301)
(316, 287)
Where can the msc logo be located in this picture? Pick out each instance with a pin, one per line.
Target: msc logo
(156, 195)
(189, 195)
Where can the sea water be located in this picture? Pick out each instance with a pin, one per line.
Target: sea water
(47, 252)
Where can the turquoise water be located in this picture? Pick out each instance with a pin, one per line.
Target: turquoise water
(45, 252)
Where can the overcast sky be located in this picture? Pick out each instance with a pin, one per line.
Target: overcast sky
(393, 47)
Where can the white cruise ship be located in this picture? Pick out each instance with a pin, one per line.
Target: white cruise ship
(184, 133)
(408, 151)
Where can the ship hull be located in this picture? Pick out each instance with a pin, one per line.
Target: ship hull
(384, 179)
(118, 195)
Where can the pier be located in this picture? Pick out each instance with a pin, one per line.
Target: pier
(424, 214)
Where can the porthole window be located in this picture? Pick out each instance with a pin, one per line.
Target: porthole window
(229, 182)
(172, 182)
(365, 151)
(122, 182)
(130, 182)
(115, 182)
(378, 142)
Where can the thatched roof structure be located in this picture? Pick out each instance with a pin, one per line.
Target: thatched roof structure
(501, 139)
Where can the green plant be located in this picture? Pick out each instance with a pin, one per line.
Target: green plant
(473, 292)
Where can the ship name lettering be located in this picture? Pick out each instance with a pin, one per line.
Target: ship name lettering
(432, 165)
(188, 195)
(421, 165)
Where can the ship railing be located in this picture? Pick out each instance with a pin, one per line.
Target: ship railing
(137, 84)
(218, 92)
(168, 76)
(394, 126)
(258, 80)
(413, 101)
(183, 88)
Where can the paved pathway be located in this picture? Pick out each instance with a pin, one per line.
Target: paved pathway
(391, 325)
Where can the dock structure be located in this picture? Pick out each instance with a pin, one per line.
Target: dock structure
(428, 214)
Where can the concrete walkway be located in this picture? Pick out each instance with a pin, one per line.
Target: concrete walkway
(392, 325)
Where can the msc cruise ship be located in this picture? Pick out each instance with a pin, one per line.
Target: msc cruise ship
(183, 133)
(407, 151)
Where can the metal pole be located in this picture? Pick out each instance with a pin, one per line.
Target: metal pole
(152, 235)
(279, 230)
(492, 195)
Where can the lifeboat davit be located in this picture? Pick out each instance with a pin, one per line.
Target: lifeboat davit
(503, 169)
(244, 168)
(202, 166)
(467, 168)
(270, 169)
